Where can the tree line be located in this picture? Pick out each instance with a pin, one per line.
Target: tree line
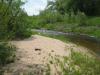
(89, 7)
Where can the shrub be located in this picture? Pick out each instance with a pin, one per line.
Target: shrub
(13, 20)
(7, 53)
(22, 34)
(82, 18)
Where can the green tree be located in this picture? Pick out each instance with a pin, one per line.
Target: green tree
(12, 19)
(66, 6)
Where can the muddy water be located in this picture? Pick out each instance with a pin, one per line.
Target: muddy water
(90, 42)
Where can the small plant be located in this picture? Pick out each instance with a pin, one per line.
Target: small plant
(51, 62)
(48, 70)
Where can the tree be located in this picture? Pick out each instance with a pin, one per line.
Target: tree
(66, 6)
(12, 19)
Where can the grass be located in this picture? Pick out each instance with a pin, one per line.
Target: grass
(94, 21)
(59, 37)
(79, 64)
(88, 65)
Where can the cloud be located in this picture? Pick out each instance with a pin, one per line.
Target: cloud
(33, 7)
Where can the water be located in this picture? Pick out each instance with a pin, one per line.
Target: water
(87, 41)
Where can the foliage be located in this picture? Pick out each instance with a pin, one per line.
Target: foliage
(12, 19)
(79, 64)
(21, 27)
(79, 23)
(86, 6)
(88, 65)
(7, 53)
(50, 19)
(13, 24)
(70, 16)
(94, 21)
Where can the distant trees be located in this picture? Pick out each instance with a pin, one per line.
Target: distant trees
(49, 16)
(89, 7)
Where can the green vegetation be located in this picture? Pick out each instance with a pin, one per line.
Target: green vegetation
(13, 20)
(78, 64)
(83, 65)
(94, 21)
(80, 23)
(75, 16)
(60, 37)
(13, 25)
(86, 6)
(7, 53)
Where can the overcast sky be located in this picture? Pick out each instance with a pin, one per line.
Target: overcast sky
(32, 7)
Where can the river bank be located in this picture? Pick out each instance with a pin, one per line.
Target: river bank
(41, 55)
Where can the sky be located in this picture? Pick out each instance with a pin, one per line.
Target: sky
(33, 7)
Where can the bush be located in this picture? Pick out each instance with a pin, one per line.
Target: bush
(7, 53)
(22, 34)
(81, 19)
(13, 20)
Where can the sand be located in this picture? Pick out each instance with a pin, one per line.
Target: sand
(36, 52)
